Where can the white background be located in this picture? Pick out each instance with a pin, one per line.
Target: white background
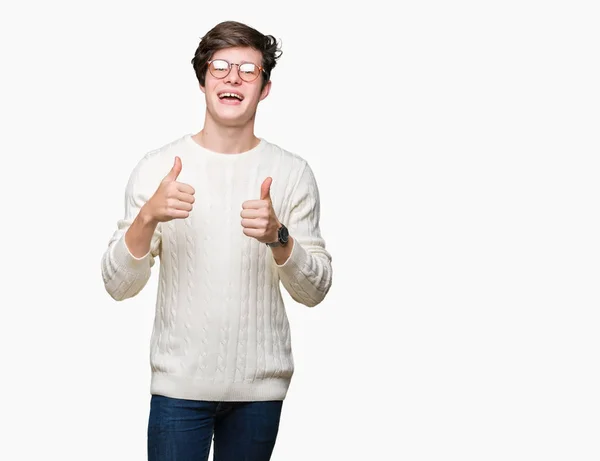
(456, 149)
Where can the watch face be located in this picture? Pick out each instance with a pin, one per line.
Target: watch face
(283, 234)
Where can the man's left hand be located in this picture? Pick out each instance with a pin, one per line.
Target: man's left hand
(258, 217)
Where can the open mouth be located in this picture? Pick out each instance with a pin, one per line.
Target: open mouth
(230, 96)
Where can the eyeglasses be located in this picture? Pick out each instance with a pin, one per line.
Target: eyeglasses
(220, 68)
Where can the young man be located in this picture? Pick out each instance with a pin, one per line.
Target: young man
(230, 216)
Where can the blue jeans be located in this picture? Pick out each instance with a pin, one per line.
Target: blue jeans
(182, 430)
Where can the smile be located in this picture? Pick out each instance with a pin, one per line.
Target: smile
(230, 96)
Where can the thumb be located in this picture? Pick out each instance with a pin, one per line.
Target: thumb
(265, 189)
(174, 173)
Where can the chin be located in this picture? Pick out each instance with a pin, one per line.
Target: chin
(232, 121)
(231, 118)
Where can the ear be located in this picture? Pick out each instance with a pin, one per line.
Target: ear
(202, 88)
(265, 91)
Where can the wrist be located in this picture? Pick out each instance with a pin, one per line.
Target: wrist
(281, 240)
(146, 217)
(282, 253)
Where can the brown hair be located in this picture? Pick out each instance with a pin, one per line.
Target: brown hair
(229, 34)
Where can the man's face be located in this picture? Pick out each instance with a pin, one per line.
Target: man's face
(239, 109)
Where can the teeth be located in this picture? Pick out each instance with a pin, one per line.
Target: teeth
(234, 95)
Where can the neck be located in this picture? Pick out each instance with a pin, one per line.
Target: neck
(226, 139)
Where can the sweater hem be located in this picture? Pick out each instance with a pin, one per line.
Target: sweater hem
(218, 391)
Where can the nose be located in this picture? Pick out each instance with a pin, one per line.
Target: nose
(234, 75)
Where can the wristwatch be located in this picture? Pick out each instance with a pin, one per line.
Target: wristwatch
(282, 237)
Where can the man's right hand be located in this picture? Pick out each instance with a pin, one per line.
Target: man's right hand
(172, 199)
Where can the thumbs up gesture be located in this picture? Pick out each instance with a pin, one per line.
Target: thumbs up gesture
(172, 199)
(258, 217)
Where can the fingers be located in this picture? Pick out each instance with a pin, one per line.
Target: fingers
(178, 214)
(174, 173)
(259, 223)
(256, 233)
(186, 188)
(179, 205)
(184, 197)
(251, 213)
(265, 189)
(255, 204)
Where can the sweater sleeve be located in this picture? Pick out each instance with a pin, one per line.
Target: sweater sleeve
(307, 273)
(125, 275)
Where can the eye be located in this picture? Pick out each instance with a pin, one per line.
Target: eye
(220, 64)
(248, 68)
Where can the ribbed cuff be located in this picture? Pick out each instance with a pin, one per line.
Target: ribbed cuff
(123, 257)
(296, 261)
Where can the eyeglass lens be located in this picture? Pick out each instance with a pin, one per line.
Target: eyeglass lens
(219, 68)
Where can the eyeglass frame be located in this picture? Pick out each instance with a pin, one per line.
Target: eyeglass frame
(231, 64)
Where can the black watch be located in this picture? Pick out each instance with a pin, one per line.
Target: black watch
(282, 237)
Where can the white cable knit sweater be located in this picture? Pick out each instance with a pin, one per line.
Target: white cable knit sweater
(221, 331)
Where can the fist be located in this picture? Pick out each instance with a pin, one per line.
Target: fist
(172, 199)
(258, 217)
